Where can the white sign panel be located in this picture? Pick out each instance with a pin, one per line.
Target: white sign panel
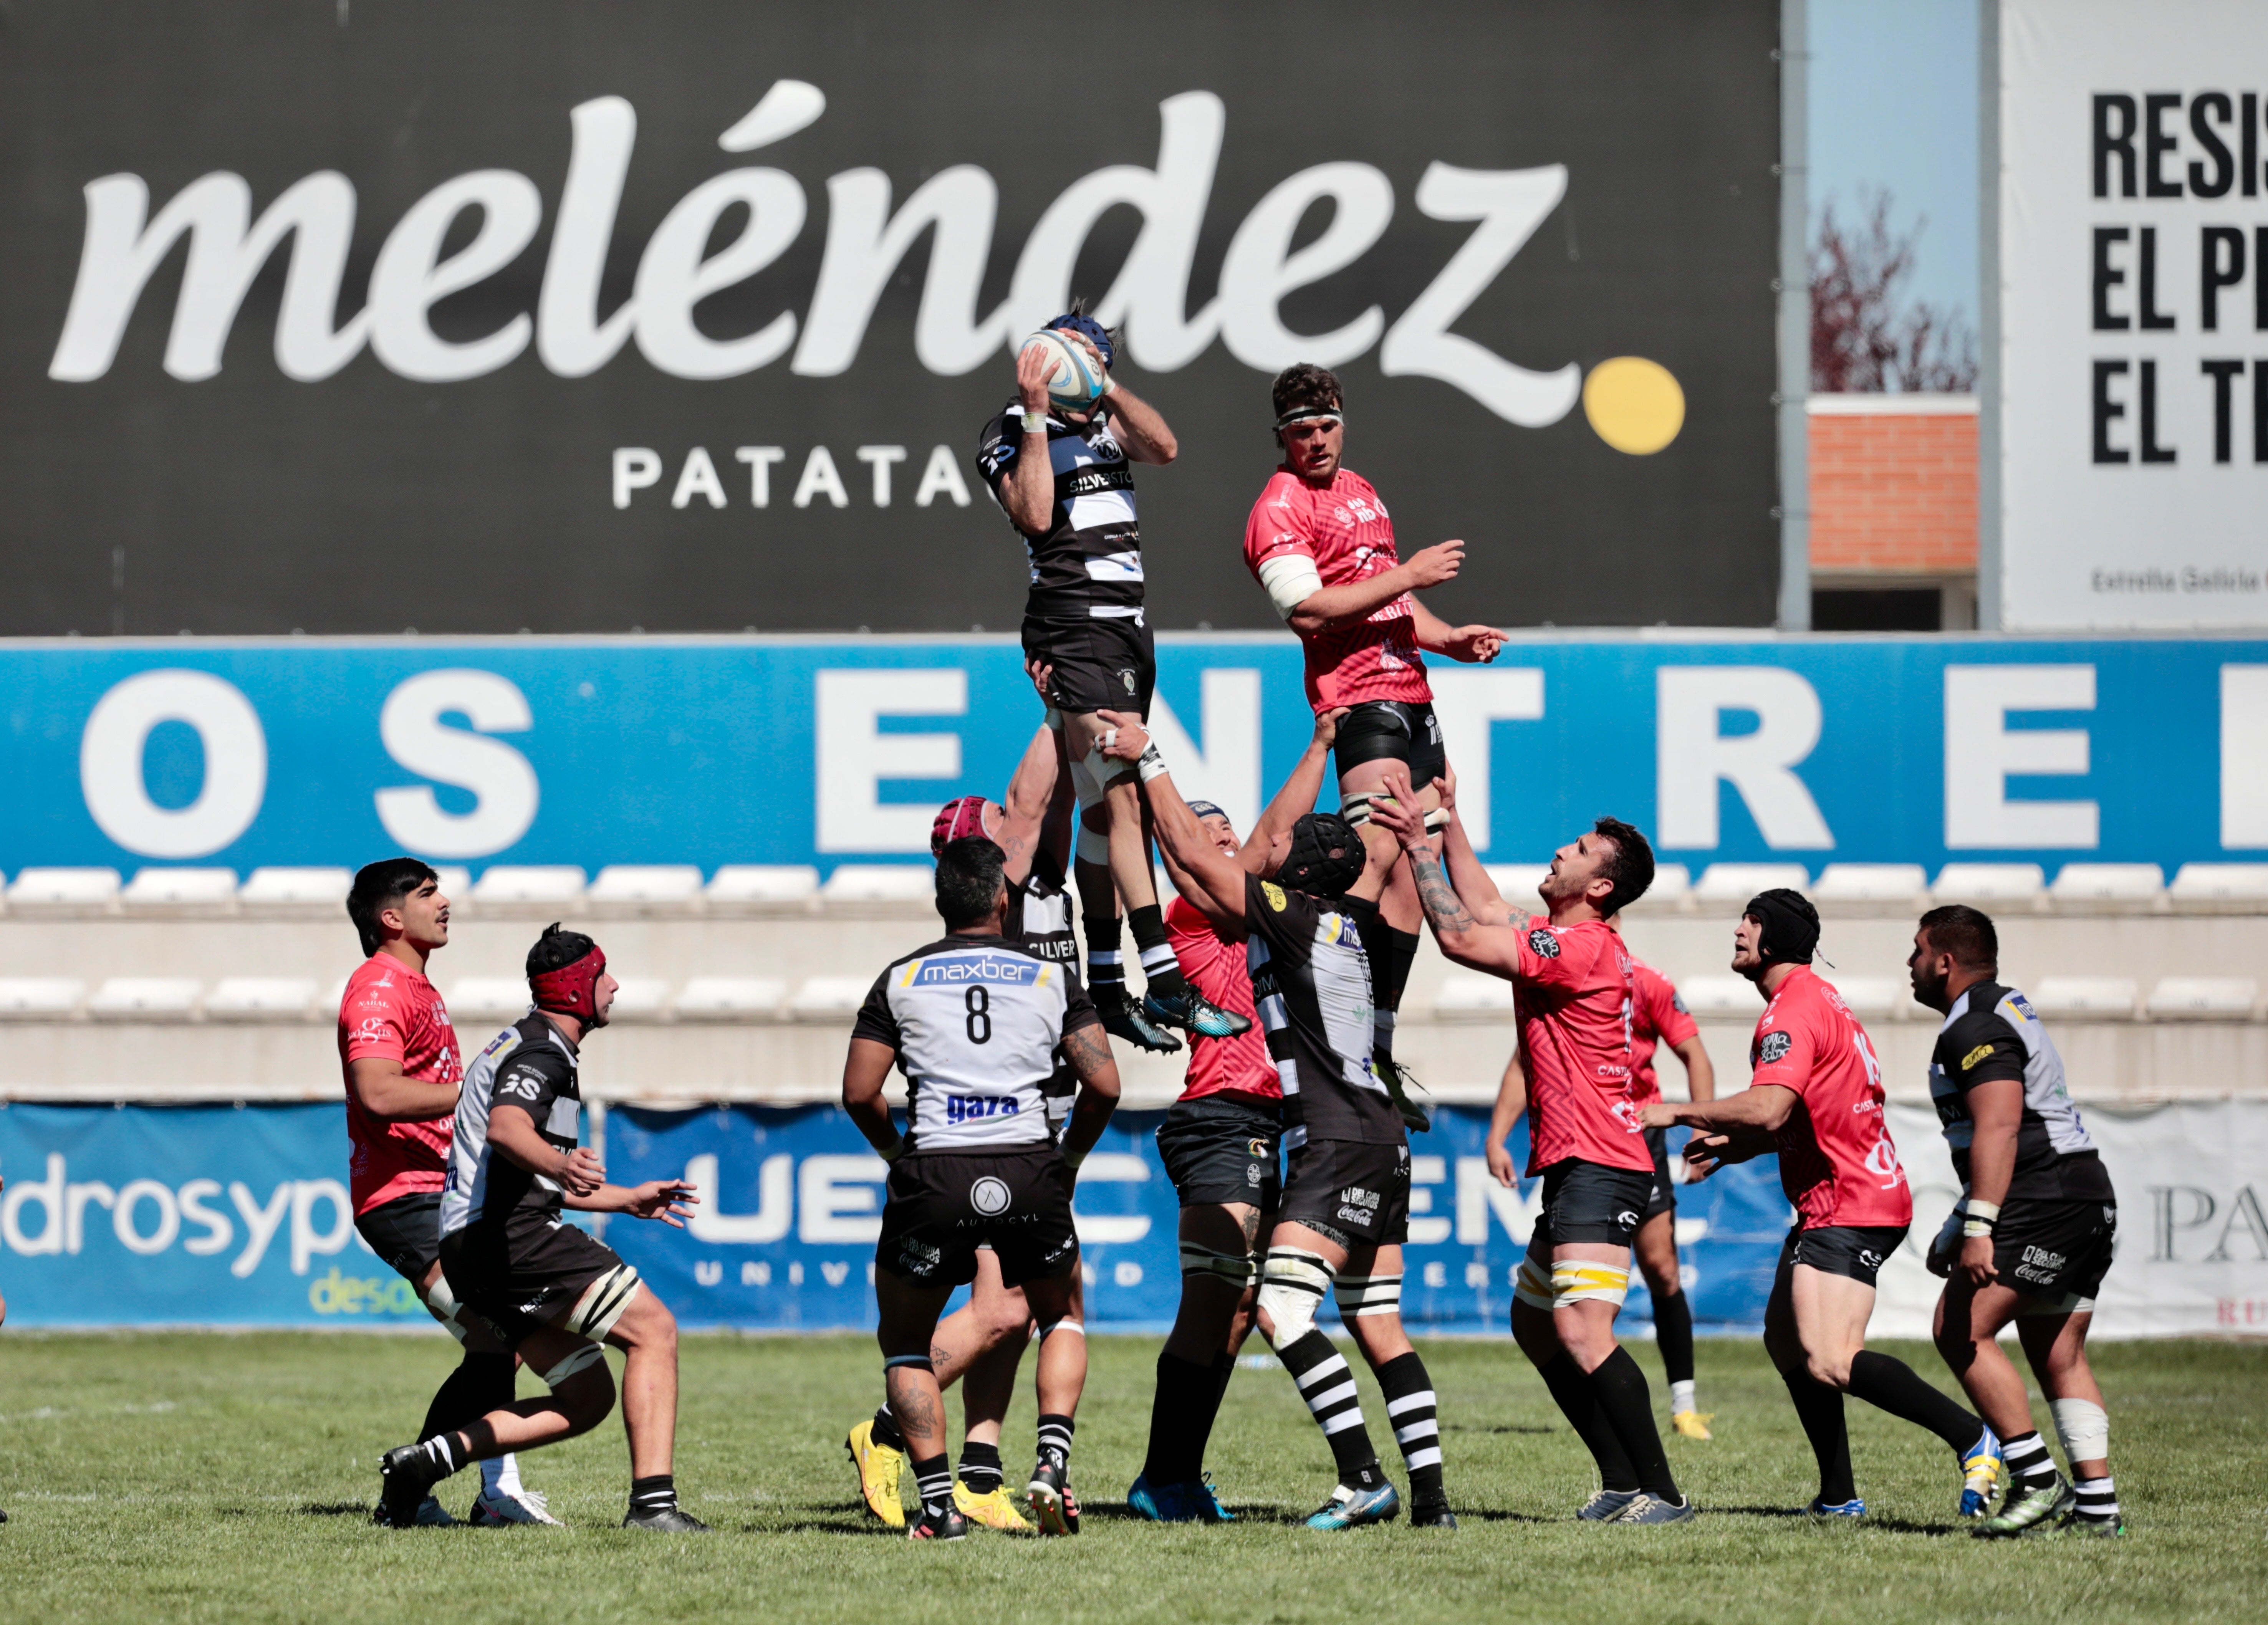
(2134, 222)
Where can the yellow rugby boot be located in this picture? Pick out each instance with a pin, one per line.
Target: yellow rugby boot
(1693, 1424)
(879, 1466)
(996, 1511)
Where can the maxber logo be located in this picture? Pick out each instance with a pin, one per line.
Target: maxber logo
(426, 257)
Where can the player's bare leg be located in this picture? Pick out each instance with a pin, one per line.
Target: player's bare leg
(982, 1343)
(1098, 902)
(907, 1330)
(1970, 1321)
(1059, 1309)
(1656, 1248)
(1301, 1265)
(2055, 1343)
(1369, 1291)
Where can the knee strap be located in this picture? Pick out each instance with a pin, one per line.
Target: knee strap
(1362, 1295)
(1091, 846)
(1237, 1268)
(1107, 770)
(1576, 1279)
(443, 1303)
(1083, 784)
(1533, 1286)
(920, 1362)
(2084, 1427)
(582, 1360)
(1067, 1324)
(1292, 1288)
(602, 1303)
(1356, 808)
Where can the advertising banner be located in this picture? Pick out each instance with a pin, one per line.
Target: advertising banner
(472, 319)
(2133, 233)
(817, 751)
(210, 1216)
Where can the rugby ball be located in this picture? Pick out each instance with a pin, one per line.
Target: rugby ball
(1076, 380)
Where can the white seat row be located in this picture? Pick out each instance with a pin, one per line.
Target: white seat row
(2077, 888)
(1888, 998)
(618, 889)
(471, 1000)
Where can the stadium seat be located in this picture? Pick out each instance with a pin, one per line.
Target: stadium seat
(2019, 885)
(1671, 893)
(1721, 998)
(488, 998)
(1872, 998)
(641, 998)
(1516, 884)
(730, 998)
(2109, 888)
(64, 891)
(1473, 998)
(2086, 998)
(261, 998)
(296, 891)
(1736, 883)
(2205, 998)
(145, 998)
(511, 889)
(763, 888)
(2221, 888)
(624, 890)
(1873, 888)
(181, 892)
(41, 998)
(830, 999)
(867, 884)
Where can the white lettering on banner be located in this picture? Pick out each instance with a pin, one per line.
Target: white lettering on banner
(1692, 754)
(503, 783)
(218, 1232)
(2244, 753)
(709, 1271)
(48, 1194)
(957, 207)
(1479, 1196)
(1227, 772)
(820, 479)
(636, 468)
(169, 1217)
(1112, 1168)
(878, 458)
(941, 477)
(697, 478)
(775, 1210)
(260, 1224)
(1468, 704)
(837, 1200)
(855, 755)
(1981, 751)
(1425, 1231)
(760, 460)
(306, 1242)
(110, 763)
(835, 1272)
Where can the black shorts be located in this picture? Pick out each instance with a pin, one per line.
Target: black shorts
(406, 1232)
(1392, 730)
(1855, 1251)
(523, 1280)
(1664, 1199)
(2055, 1250)
(1101, 664)
(1222, 1148)
(942, 1206)
(1355, 1192)
(1590, 1202)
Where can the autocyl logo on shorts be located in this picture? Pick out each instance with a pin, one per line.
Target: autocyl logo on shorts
(988, 1196)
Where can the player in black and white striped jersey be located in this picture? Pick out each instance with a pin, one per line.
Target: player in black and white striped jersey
(974, 1021)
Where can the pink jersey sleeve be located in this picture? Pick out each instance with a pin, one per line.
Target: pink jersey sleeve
(1278, 526)
(375, 1019)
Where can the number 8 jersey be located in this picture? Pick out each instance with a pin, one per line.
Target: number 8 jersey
(974, 1021)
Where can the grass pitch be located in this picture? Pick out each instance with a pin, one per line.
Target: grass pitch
(201, 1476)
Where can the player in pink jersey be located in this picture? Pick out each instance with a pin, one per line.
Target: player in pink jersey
(1816, 1099)
(1320, 542)
(1572, 976)
(404, 1067)
(1657, 1016)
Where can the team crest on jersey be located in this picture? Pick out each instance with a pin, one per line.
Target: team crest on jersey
(1773, 1047)
(1542, 942)
(1274, 893)
(1970, 1061)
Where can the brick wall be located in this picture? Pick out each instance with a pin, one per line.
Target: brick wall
(1894, 484)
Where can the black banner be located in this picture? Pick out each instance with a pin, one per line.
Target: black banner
(359, 315)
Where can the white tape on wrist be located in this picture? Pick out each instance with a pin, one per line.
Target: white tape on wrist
(1151, 764)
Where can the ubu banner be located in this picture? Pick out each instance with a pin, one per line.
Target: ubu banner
(213, 1216)
(349, 318)
(813, 751)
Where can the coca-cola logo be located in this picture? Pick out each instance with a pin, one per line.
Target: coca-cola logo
(868, 233)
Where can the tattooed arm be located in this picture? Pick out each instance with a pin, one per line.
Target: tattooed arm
(1463, 938)
(1087, 1048)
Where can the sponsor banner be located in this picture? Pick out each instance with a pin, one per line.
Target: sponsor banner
(214, 1216)
(2133, 228)
(349, 318)
(813, 751)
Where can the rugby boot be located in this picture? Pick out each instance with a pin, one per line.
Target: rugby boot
(496, 1507)
(1852, 1508)
(995, 1509)
(1398, 1083)
(1651, 1509)
(1053, 1508)
(1195, 1014)
(1351, 1509)
(407, 1474)
(666, 1520)
(1122, 1018)
(878, 1467)
(1693, 1425)
(1982, 1468)
(944, 1523)
(1161, 1504)
(1209, 1511)
(2079, 1525)
(2029, 1509)
(1606, 1505)
(1432, 1515)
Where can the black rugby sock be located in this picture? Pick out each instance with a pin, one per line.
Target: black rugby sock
(1106, 960)
(1579, 1403)
(1409, 1416)
(481, 1383)
(1389, 974)
(1629, 1408)
(1820, 1409)
(1672, 1334)
(1181, 1416)
(886, 1430)
(1160, 970)
(657, 1494)
(1892, 1385)
(980, 1467)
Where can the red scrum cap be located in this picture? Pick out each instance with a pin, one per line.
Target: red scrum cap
(961, 818)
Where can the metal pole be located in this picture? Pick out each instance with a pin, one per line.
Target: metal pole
(1988, 295)
(1794, 288)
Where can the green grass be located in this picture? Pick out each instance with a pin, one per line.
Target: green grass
(197, 1476)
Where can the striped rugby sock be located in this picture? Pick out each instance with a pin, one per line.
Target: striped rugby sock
(2098, 1499)
(1327, 1383)
(1410, 1412)
(2028, 1461)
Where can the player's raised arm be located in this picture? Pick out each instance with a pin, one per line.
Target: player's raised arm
(1140, 430)
(1296, 799)
(1025, 806)
(1467, 873)
(1464, 937)
(1028, 488)
(1179, 834)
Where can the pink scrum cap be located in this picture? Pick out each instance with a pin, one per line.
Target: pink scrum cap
(961, 818)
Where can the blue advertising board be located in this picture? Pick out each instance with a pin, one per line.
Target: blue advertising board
(214, 1216)
(822, 750)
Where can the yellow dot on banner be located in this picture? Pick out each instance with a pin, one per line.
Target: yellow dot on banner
(1634, 404)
